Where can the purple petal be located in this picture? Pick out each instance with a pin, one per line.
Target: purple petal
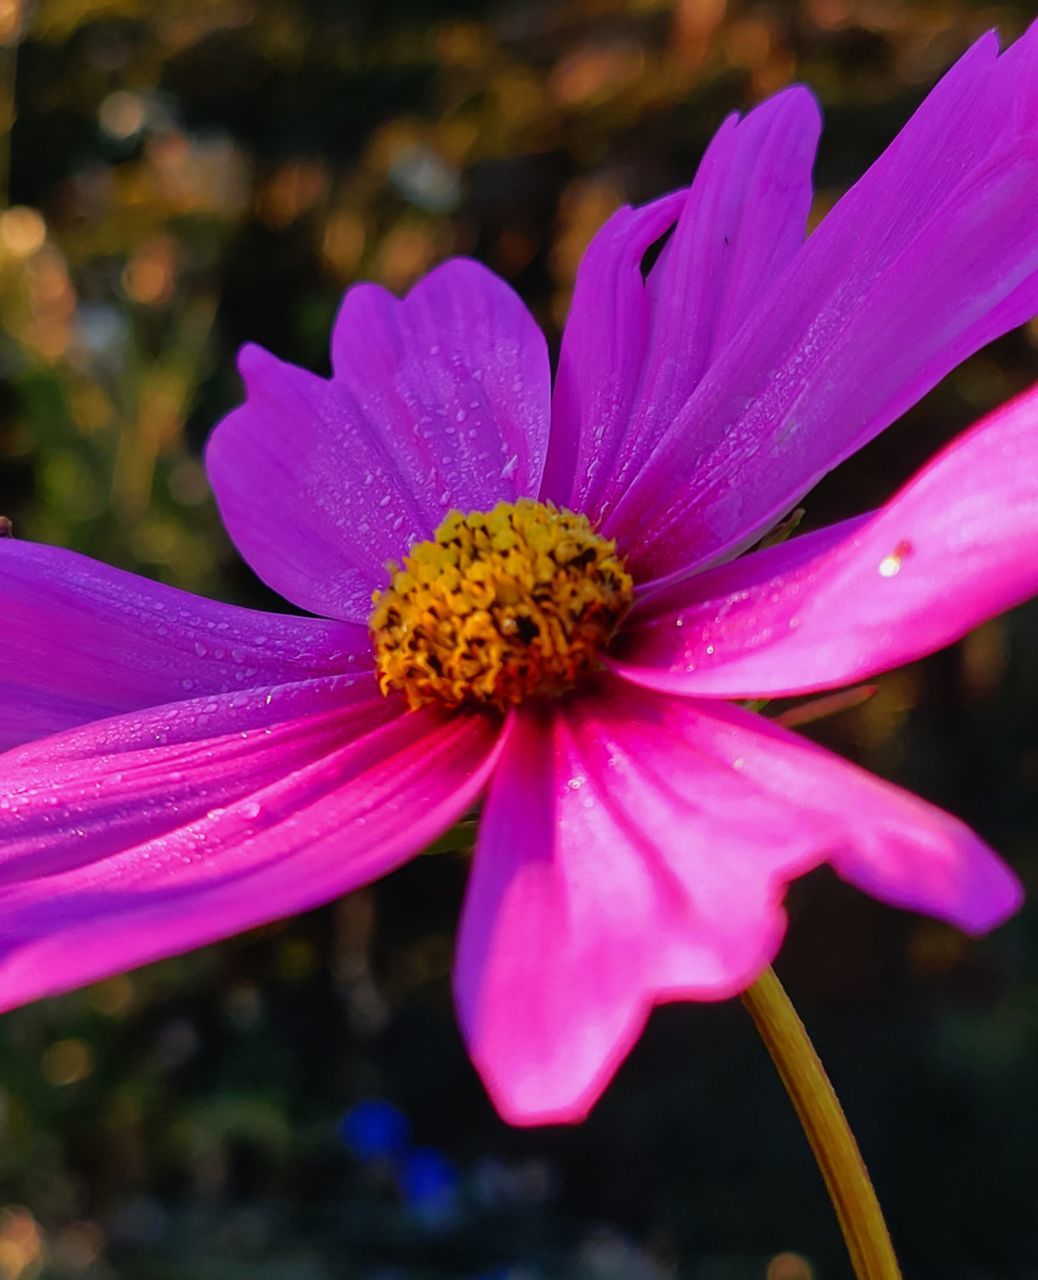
(634, 350)
(439, 401)
(931, 255)
(956, 546)
(142, 836)
(618, 864)
(604, 349)
(80, 641)
(635, 848)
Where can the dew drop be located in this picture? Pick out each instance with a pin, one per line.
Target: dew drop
(890, 566)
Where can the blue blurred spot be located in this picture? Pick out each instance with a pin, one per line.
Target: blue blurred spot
(374, 1128)
(428, 1179)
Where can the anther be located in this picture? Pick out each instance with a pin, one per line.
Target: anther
(498, 607)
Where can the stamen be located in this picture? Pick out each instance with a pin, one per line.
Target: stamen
(500, 606)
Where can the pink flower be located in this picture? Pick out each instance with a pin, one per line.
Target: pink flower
(192, 769)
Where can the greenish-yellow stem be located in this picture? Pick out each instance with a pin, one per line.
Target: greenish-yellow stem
(826, 1127)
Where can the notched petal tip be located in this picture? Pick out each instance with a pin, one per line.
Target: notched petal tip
(989, 893)
(458, 267)
(796, 105)
(532, 1099)
(254, 361)
(565, 1092)
(1003, 897)
(439, 400)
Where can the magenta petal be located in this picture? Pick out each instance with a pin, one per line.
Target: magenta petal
(957, 545)
(80, 640)
(931, 255)
(621, 861)
(634, 350)
(634, 848)
(145, 835)
(876, 836)
(439, 401)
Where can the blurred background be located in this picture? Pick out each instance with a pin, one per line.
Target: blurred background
(180, 176)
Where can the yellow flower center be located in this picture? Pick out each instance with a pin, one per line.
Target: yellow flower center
(500, 606)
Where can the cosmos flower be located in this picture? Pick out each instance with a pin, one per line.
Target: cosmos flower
(567, 616)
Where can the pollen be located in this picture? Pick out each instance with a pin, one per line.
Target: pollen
(499, 606)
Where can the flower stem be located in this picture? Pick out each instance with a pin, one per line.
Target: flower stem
(822, 1119)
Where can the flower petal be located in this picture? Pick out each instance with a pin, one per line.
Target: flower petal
(145, 835)
(957, 545)
(635, 349)
(439, 400)
(634, 848)
(618, 864)
(884, 840)
(81, 641)
(931, 255)
(604, 349)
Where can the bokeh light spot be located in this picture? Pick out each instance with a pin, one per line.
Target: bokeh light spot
(67, 1062)
(789, 1266)
(122, 114)
(374, 1129)
(22, 231)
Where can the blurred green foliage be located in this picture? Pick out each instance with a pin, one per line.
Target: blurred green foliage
(177, 178)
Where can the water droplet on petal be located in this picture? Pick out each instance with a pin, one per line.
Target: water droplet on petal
(890, 566)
